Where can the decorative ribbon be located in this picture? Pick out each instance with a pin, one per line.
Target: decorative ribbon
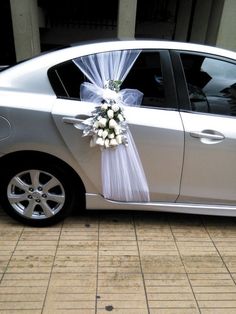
(123, 176)
(93, 93)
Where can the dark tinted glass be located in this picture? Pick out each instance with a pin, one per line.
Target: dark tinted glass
(65, 79)
(211, 84)
(146, 76)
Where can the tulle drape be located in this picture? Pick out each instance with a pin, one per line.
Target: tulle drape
(123, 177)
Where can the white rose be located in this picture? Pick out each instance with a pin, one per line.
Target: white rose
(104, 134)
(100, 141)
(111, 135)
(112, 124)
(117, 130)
(104, 107)
(100, 132)
(102, 122)
(119, 139)
(107, 143)
(110, 113)
(115, 107)
(113, 142)
(120, 117)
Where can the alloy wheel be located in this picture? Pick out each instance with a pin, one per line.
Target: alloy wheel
(36, 194)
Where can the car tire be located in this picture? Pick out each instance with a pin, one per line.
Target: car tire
(37, 194)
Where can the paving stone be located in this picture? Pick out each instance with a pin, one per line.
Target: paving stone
(121, 297)
(190, 304)
(218, 311)
(69, 305)
(174, 311)
(20, 305)
(204, 264)
(162, 264)
(22, 297)
(217, 303)
(123, 311)
(68, 311)
(21, 311)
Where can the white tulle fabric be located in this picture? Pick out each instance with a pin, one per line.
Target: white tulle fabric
(93, 93)
(123, 177)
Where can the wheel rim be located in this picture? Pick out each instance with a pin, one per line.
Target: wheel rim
(36, 194)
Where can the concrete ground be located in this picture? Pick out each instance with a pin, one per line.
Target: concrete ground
(123, 263)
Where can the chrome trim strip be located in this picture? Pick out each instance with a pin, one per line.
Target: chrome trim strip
(95, 201)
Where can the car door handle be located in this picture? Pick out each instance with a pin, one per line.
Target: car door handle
(78, 120)
(71, 120)
(211, 135)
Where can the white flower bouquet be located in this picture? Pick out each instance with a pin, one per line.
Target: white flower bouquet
(108, 126)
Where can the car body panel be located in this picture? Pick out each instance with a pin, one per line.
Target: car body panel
(32, 128)
(95, 201)
(159, 132)
(209, 171)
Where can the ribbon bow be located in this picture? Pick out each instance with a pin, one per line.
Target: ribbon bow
(93, 93)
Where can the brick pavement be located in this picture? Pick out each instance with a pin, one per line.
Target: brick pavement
(122, 263)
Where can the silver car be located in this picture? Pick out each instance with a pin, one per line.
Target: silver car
(184, 130)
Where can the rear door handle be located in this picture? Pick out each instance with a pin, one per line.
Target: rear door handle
(71, 120)
(208, 134)
(79, 119)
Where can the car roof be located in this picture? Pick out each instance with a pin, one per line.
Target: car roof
(85, 48)
(91, 47)
(34, 70)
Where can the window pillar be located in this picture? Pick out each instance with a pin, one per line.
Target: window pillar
(126, 18)
(25, 28)
(183, 20)
(214, 22)
(226, 37)
(200, 21)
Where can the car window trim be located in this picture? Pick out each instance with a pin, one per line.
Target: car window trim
(62, 84)
(180, 81)
(168, 79)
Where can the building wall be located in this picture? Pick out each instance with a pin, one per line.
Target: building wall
(43, 24)
(226, 36)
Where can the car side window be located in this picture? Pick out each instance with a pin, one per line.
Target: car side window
(211, 84)
(146, 76)
(65, 79)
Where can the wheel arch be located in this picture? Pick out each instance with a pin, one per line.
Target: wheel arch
(27, 155)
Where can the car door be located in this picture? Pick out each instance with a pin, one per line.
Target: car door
(209, 170)
(156, 126)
